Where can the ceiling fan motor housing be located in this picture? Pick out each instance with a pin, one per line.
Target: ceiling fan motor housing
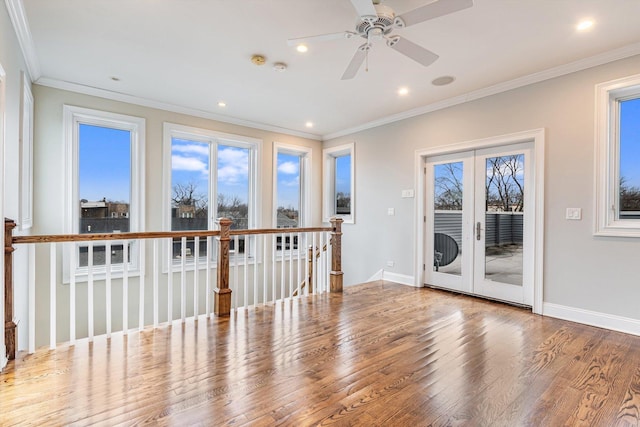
(383, 23)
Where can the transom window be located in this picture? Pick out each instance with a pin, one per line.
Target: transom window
(618, 157)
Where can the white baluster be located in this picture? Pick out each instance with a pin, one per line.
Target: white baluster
(72, 293)
(90, 290)
(156, 273)
(125, 287)
(52, 296)
(107, 255)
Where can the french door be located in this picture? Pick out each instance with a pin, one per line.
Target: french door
(479, 215)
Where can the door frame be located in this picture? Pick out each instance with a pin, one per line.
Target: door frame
(537, 138)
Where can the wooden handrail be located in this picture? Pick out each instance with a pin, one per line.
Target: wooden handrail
(56, 238)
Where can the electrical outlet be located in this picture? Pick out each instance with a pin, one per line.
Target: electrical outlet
(407, 194)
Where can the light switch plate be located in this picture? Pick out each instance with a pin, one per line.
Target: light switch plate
(574, 213)
(407, 194)
(391, 211)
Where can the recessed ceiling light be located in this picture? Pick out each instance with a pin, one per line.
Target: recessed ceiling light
(584, 25)
(403, 91)
(309, 124)
(222, 104)
(302, 48)
(443, 80)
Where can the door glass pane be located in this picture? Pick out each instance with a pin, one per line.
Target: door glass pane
(504, 218)
(447, 221)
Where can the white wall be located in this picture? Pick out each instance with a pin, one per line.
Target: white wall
(580, 271)
(49, 181)
(13, 64)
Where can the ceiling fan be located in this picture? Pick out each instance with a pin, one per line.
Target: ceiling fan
(376, 22)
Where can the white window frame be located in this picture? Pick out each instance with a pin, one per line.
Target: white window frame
(73, 117)
(305, 181)
(607, 158)
(329, 156)
(214, 138)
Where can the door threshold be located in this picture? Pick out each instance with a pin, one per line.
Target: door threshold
(511, 303)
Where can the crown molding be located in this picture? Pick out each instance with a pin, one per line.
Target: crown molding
(572, 67)
(151, 103)
(18, 16)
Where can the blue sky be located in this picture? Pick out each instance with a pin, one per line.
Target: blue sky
(630, 141)
(343, 174)
(288, 181)
(104, 163)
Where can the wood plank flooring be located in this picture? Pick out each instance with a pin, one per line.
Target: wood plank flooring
(380, 354)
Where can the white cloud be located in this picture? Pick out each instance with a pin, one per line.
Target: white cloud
(188, 164)
(233, 166)
(199, 149)
(233, 155)
(288, 168)
(291, 183)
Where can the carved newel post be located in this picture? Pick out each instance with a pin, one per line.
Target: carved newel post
(222, 293)
(336, 255)
(9, 325)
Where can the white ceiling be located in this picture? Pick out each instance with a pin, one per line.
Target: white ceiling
(194, 53)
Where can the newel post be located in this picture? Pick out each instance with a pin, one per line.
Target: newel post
(336, 255)
(222, 293)
(9, 325)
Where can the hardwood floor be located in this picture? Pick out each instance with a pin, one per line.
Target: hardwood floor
(379, 354)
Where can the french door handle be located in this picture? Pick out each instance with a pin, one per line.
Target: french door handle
(478, 229)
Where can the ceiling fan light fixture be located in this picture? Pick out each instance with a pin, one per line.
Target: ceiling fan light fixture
(443, 80)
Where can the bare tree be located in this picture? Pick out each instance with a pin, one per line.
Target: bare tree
(448, 187)
(187, 195)
(504, 184)
(629, 196)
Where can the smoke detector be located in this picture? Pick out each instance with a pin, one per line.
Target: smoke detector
(280, 67)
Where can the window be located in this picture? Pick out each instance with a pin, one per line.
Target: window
(105, 183)
(617, 158)
(339, 185)
(203, 166)
(292, 166)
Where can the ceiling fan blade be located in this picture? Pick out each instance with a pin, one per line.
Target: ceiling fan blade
(364, 7)
(432, 10)
(412, 50)
(356, 62)
(321, 38)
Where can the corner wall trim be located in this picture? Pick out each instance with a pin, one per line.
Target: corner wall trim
(376, 276)
(593, 318)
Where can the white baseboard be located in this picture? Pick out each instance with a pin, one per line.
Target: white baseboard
(593, 318)
(403, 279)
